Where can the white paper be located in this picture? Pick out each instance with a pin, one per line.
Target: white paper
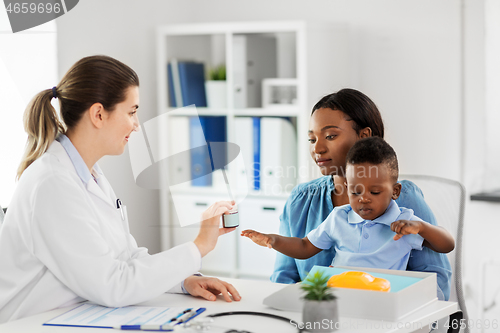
(92, 315)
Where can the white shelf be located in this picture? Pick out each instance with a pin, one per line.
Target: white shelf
(285, 111)
(222, 191)
(275, 111)
(298, 61)
(199, 111)
(201, 190)
(231, 27)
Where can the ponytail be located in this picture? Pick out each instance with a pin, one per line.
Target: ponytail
(94, 79)
(42, 125)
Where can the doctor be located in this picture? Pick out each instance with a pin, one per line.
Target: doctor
(64, 239)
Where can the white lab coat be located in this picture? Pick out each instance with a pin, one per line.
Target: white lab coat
(64, 241)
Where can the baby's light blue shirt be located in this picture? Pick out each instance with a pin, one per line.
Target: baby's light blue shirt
(366, 243)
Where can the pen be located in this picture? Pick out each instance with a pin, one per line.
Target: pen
(182, 317)
(179, 315)
(145, 327)
(120, 207)
(191, 315)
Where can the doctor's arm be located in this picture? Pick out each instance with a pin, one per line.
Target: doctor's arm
(208, 287)
(71, 240)
(195, 285)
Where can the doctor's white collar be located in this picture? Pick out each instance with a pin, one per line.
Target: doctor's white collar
(80, 166)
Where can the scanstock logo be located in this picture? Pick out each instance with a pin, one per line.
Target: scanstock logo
(26, 14)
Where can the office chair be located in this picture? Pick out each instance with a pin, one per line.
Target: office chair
(446, 198)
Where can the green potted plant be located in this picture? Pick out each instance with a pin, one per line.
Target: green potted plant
(215, 87)
(320, 310)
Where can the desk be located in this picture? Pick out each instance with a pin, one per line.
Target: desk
(492, 196)
(252, 292)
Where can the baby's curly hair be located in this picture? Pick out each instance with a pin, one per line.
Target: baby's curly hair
(374, 150)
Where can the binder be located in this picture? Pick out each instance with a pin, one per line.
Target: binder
(171, 90)
(186, 83)
(239, 72)
(256, 152)
(176, 84)
(202, 131)
(278, 156)
(200, 157)
(243, 126)
(192, 83)
(215, 131)
(179, 168)
(254, 59)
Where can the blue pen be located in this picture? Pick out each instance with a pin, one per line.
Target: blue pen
(187, 316)
(144, 328)
(179, 315)
(193, 314)
(182, 317)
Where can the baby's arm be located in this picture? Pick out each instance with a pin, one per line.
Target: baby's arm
(436, 238)
(298, 248)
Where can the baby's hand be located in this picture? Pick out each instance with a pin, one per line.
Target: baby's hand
(405, 227)
(258, 238)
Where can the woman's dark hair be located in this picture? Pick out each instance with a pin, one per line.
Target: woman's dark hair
(95, 79)
(357, 107)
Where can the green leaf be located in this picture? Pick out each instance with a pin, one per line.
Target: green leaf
(316, 287)
(217, 73)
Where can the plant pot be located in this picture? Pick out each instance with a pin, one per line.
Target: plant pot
(320, 316)
(216, 94)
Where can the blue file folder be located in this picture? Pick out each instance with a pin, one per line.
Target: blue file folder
(204, 160)
(192, 83)
(256, 153)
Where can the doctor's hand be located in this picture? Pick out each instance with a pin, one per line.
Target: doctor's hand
(259, 238)
(209, 288)
(209, 229)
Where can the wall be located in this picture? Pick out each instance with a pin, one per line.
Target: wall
(481, 161)
(407, 62)
(22, 76)
(124, 29)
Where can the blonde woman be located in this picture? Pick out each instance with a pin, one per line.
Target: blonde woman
(65, 238)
